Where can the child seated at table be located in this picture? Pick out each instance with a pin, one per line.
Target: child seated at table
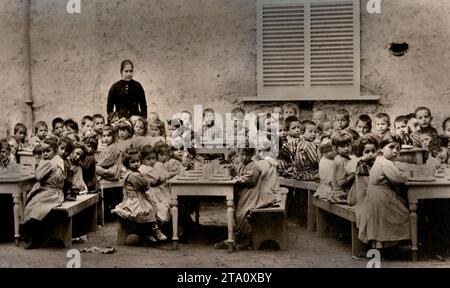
(426, 135)
(5, 157)
(290, 109)
(342, 122)
(366, 151)
(288, 150)
(306, 163)
(70, 127)
(382, 125)
(319, 116)
(211, 132)
(157, 131)
(88, 165)
(109, 162)
(363, 125)
(158, 193)
(383, 218)
(124, 134)
(424, 118)
(135, 206)
(76, 158)
(99, 122)
(437, 156)
(87, 126)
(20, 131)
(327, 170)
(46, 194)
(65, 148)
(342, 142)
(14, 145)
(402, 129)
(249, 196)
(446, 129)
(57, 126)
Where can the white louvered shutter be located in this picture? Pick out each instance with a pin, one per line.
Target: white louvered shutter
(308, 49)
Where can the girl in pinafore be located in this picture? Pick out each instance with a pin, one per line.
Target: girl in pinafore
(135, 206)
(383, 218)
(46, 193)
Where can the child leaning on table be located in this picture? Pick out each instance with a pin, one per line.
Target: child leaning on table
(135, 206)
(383, 218)
(249, 196)
(158, 193)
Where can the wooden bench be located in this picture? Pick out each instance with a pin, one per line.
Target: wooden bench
(105, 185)
(71, 219)
(341, 210)
(270, 224)
(310, 187)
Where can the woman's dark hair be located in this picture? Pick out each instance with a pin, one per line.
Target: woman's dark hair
(125, 63)
(129, 154)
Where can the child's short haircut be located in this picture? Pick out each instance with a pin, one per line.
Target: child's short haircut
(365, 119)
(51, 142)
(71, 124)
(146, 151)
(208, 110)
(69, 143)
(144, 123)
(308, 122)
(111, 116)
(444, 141)
(20, 126)
(131, 153)
(401, 119)
(322, 123)
(343, 112)
(422, 108)
(39, 125)
(186, 112)
(247, 151)
(341, 138)
(430, 131)
(383, 116)
(363, 141)
(444, 124)
(291, 106)
(85, 119)
(111, 130)
(98, 116)
(125, 125)
(91, 142)
(57, 120)
(160, 125)
(159, 145)
(289, 120)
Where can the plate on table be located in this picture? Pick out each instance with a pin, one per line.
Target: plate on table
(422, 179)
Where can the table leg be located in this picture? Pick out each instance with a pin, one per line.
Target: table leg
(16, 201)
(230, 216)
(174, 214)
(413, 227)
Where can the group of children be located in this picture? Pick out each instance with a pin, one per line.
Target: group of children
(351, 163)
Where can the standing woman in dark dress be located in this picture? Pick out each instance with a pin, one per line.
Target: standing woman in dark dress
(127, 97)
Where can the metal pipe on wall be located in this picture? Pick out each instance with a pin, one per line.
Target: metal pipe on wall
(27, 63)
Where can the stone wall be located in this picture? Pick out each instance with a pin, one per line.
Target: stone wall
(190, 52)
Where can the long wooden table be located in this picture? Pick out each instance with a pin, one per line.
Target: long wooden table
(438, 189)
(202, 187)
(17, 187)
